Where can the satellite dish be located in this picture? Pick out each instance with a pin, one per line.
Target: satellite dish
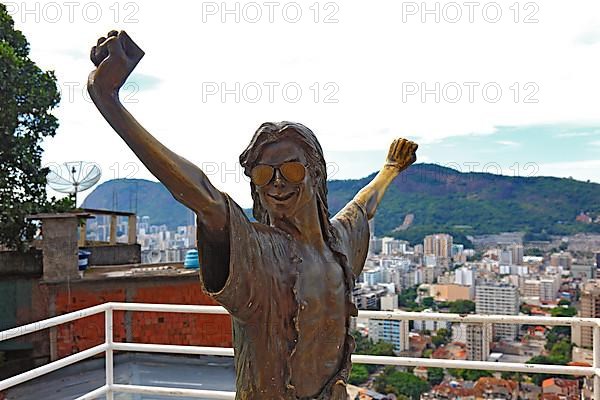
(154, 256)
(73, 177)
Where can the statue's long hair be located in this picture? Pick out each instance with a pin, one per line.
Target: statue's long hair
(271, 132)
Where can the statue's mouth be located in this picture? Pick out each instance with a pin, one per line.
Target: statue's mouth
(281, 197)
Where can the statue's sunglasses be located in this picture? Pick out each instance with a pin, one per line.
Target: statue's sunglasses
(292, 171)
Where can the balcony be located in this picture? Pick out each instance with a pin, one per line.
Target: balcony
(109, 347)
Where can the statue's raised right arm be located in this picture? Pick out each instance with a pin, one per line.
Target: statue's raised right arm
(115, 57)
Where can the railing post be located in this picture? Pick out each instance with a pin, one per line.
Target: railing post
(596, 347)
(131, 230)
(113, 229)
(108, 328)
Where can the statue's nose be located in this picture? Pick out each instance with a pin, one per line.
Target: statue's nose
(278, 180)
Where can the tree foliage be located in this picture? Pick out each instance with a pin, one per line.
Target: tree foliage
(563, 311)
(407, 299)
(525, 309)
(28, 96)
(382, 348)
(428, 302)
(400, 383)
(468, 374)
(358, 375)
(534, 251)
(442, 337)
(556, 334)
(462, 307)
(435, 376)
(560, 354)
(366, 346)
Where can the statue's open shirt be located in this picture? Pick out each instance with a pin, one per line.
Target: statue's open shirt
(260, 292)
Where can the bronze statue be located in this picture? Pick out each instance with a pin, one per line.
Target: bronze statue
(287, 279)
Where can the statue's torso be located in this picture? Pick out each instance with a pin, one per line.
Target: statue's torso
(290, 305)
(321, 322)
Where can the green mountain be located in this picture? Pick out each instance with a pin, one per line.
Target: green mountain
(445, 200)
(142, 197)
(438, 199)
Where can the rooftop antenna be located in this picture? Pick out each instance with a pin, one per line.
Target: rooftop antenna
(73, 177)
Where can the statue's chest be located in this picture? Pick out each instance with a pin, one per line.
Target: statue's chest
(320, 288)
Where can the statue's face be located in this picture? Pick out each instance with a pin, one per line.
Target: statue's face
(282, 197)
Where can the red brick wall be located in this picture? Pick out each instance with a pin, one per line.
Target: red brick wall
(146, 327)
(179, 328)
(86, 332)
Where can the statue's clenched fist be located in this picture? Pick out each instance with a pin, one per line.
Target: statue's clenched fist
(402, 154)
(115, 56)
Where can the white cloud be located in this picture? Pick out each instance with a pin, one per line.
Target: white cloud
(590, 37)
(577, 134)
(507, 143)
(580, 170)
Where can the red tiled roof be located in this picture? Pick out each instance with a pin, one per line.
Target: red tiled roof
(564, 383)
(579, 364)
(555, 396)
(449, 390)
(486, 383)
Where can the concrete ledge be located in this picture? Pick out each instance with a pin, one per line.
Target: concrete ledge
(119, 254)
(13, 263)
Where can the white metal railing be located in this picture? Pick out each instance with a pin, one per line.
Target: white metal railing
(109, 346)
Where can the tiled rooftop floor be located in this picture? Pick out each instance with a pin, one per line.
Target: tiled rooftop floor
(201, 372)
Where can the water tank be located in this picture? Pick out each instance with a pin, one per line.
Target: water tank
(191, 259)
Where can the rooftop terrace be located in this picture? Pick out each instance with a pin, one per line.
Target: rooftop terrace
(119, 377)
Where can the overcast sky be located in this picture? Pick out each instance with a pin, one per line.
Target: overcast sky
(503, 86)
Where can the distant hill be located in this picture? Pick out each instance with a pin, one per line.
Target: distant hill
(440, 200)
(140, 196)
